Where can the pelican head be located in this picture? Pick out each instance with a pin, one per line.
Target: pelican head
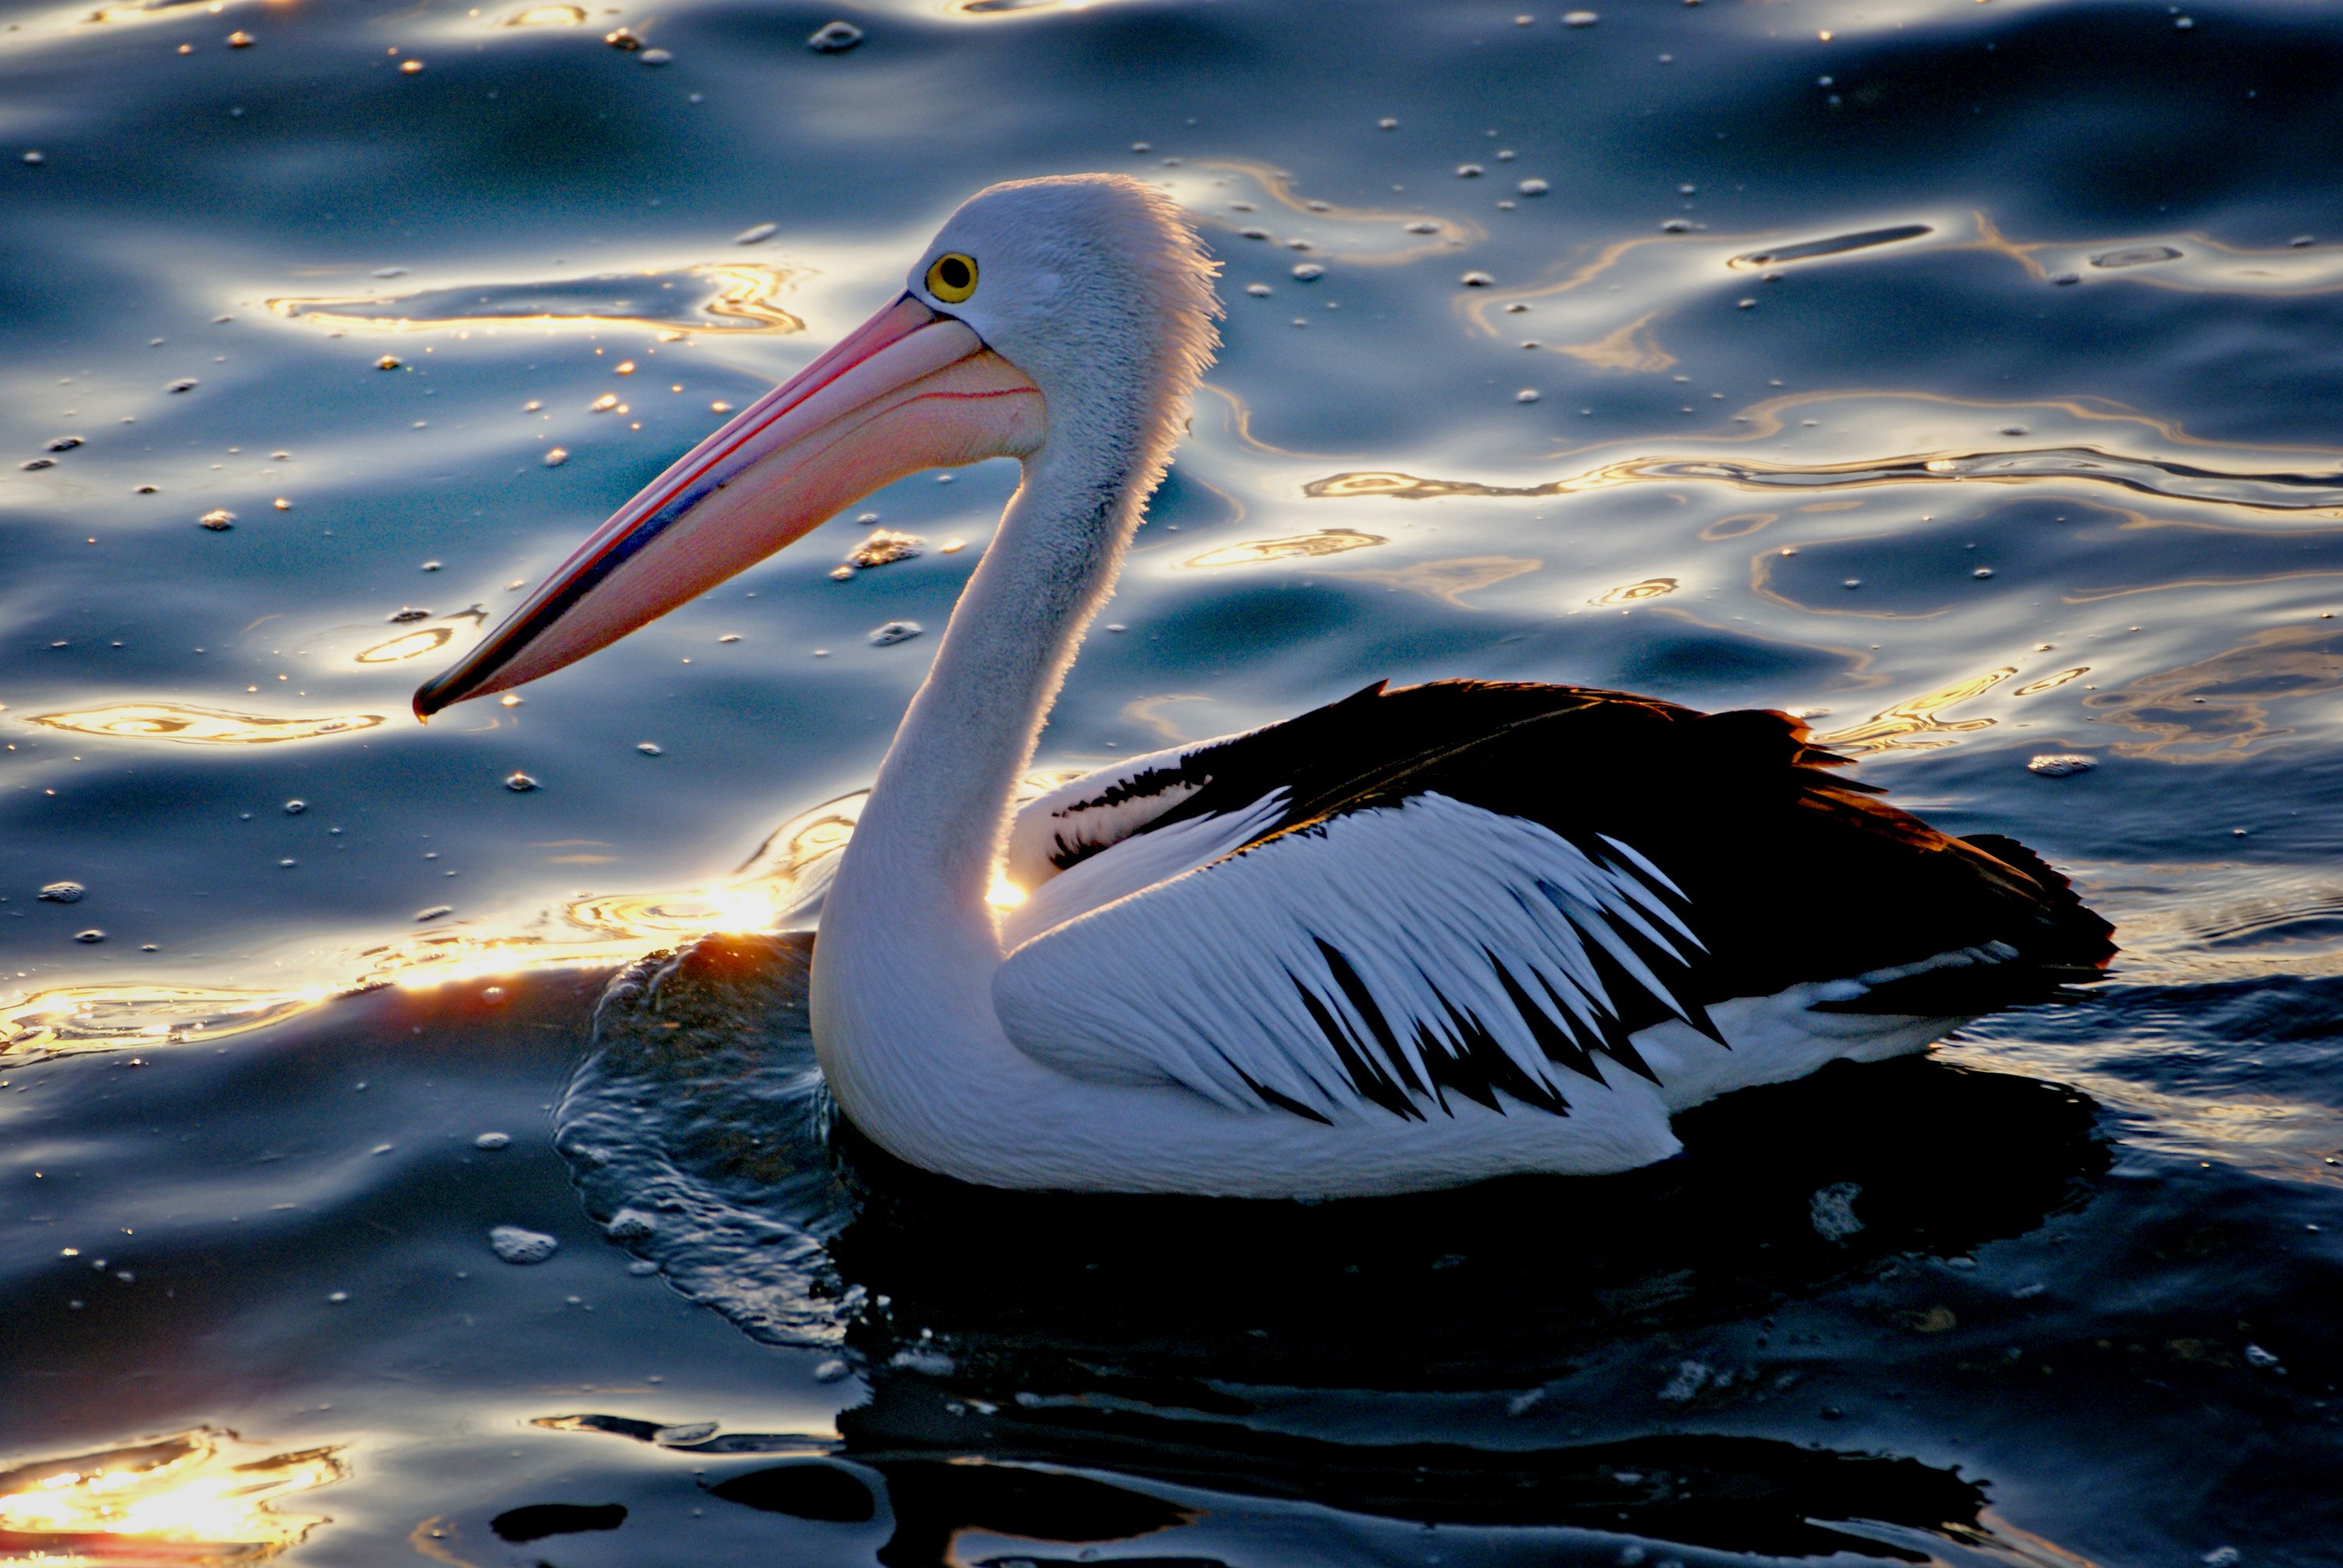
(1070, 316)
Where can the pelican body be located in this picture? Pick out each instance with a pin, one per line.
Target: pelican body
(1411, 939)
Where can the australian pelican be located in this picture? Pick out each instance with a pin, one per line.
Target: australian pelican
(1411, 939)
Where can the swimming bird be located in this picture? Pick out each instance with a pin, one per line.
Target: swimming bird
(1418, 938)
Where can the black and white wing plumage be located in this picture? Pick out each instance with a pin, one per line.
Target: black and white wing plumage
(1471, 890)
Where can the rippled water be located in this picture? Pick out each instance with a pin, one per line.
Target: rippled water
(1963, 375)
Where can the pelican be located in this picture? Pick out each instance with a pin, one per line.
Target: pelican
(1413, 940)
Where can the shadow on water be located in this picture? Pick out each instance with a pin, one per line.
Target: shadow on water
(999, 1331)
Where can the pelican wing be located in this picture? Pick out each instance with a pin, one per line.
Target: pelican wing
(1390, 956)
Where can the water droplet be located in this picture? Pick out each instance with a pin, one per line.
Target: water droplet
(604, 404)
(837, 37)
(35, 463)
(410, 67)
(435, 912)
(1982, 572)
(756, 233)
(409, 613)
(295, 808)
(1308, 272)
(218, 520)
(1258, 290)
(92, 935)
(1533, 188)
(63, 893)
(1469, 171)
(184, 384)
(1386, 123)
(493, 1140)
(831, 1371)
(239, 40)
(338, 1298)
(1526, 395)
(651, 748)
(288, 863)
(1580, 18)
(623, 38)
(656, 56)
(36, 156)
(521, 783)
(1476, 280)
(430, 566)
(554, 456)
(1852, 582)
(893, 632)
(515, 1245)
(883, 546)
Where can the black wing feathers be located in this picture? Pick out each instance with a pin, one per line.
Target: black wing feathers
(1789, 871)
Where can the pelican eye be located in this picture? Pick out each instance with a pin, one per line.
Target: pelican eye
(952, 278)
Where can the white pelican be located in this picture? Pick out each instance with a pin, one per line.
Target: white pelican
(1411, 939)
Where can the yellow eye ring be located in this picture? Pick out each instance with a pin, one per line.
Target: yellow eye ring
(952, 277)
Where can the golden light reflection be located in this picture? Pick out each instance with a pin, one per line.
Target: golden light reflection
(1627, 348)
(199, 1498)
(548, 17)
(1325, 542)
(103, 1017)
(2221, 708)
(737, 295)
(1004, 894)
(413, 644)
(200, 726)
(1634, 593)
(1450, 580)
(1913, 724)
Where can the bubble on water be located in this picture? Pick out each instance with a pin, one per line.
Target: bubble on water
(184, 384)
(493, 1140)
(631, 1225)
(893, 632)
(1982, 572)
(2137, 255)
(35, 156)
(288, 863)
(401, 616)
(1258, 290)
(1469, 171)
(1852, 583)
(218, 520)
(92, 935)
(883, 546)
(837, 37)
(239, 39)
(295, 808)
(1533, 188)
(1387, 124)
(1307, 272)
(623, 38)
(282, 504)
(435, 912)
(515, 1245)
(554, 456)
(1690, 1377)
(1831, 1211)
(1476, 280)
(388, 362)
(756, 233)
(656, 56)
(1526, 395)
(63, 443)
(1580, 18)
(33, 464)
(2061, 764)
(2066, 277)
(604, 404)
(338, 1298)
(651, 748)
(63, 893)
(410, 67)
(521, 783)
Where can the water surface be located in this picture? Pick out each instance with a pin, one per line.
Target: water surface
(1959, 375)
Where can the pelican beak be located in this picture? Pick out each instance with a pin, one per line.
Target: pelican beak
(908, 390)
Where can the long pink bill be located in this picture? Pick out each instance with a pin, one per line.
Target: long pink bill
(908, 390)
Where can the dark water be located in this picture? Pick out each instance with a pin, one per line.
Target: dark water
(1963, 375)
